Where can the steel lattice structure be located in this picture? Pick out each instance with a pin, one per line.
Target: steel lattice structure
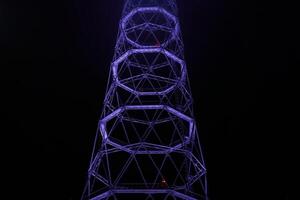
(147, 145)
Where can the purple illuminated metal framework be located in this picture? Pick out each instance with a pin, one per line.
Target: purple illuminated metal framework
(147, 145)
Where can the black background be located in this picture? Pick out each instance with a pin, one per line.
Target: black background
(56, 56)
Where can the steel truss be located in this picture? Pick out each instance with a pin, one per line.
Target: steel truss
(147, 145)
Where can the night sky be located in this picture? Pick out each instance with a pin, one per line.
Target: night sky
(56, 56)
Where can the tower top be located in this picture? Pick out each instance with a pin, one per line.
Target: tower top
(168, 5)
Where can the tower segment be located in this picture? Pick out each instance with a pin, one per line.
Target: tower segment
(147, 145)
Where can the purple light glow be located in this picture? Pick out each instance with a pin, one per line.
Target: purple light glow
(147, 132)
